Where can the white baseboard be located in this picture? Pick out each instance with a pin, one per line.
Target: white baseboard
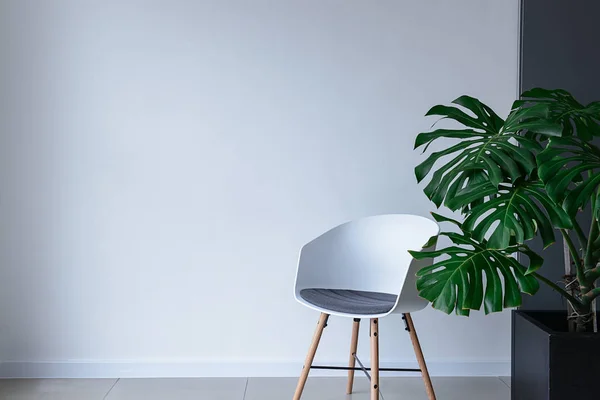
(151, 369)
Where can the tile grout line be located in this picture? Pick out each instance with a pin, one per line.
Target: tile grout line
(506, 384)
(245, 389)
(111, 388)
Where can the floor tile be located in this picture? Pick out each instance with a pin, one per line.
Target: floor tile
(54, 389)
(392, 388)
(505, 379)
(179, 389)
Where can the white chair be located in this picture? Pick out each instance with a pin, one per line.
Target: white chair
(362, 269)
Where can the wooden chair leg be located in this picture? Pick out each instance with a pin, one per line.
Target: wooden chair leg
(419, 353)
(374, 359)
(352, 360)
(311, 355)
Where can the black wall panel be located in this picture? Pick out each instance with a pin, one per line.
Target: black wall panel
(560, 48)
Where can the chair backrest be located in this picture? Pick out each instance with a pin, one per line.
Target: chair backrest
(369, 254)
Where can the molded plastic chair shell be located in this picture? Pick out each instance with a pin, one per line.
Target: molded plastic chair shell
(368, 255)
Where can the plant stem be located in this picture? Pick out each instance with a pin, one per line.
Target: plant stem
(575, 256)
(583, 241)
(594, 197)
(577, 304)
(593, 274)
(588, 261)
(591, 295)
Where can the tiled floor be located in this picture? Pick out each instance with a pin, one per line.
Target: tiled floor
(246, 389)
(506, 379)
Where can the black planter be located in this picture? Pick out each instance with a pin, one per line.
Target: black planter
(548, 362)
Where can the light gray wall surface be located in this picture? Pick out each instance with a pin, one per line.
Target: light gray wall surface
(162, 162)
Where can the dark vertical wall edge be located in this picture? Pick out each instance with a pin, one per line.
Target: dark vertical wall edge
(520, 67)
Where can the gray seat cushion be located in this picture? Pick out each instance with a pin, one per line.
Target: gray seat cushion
(350, 301)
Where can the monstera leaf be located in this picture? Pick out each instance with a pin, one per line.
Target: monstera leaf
(456, 282)
(510, 213)
(486, 152)
(569, 169)
(542, 110)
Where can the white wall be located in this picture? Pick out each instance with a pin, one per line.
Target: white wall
(162, 162)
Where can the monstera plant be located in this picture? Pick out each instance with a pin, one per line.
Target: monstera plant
(513, 180)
